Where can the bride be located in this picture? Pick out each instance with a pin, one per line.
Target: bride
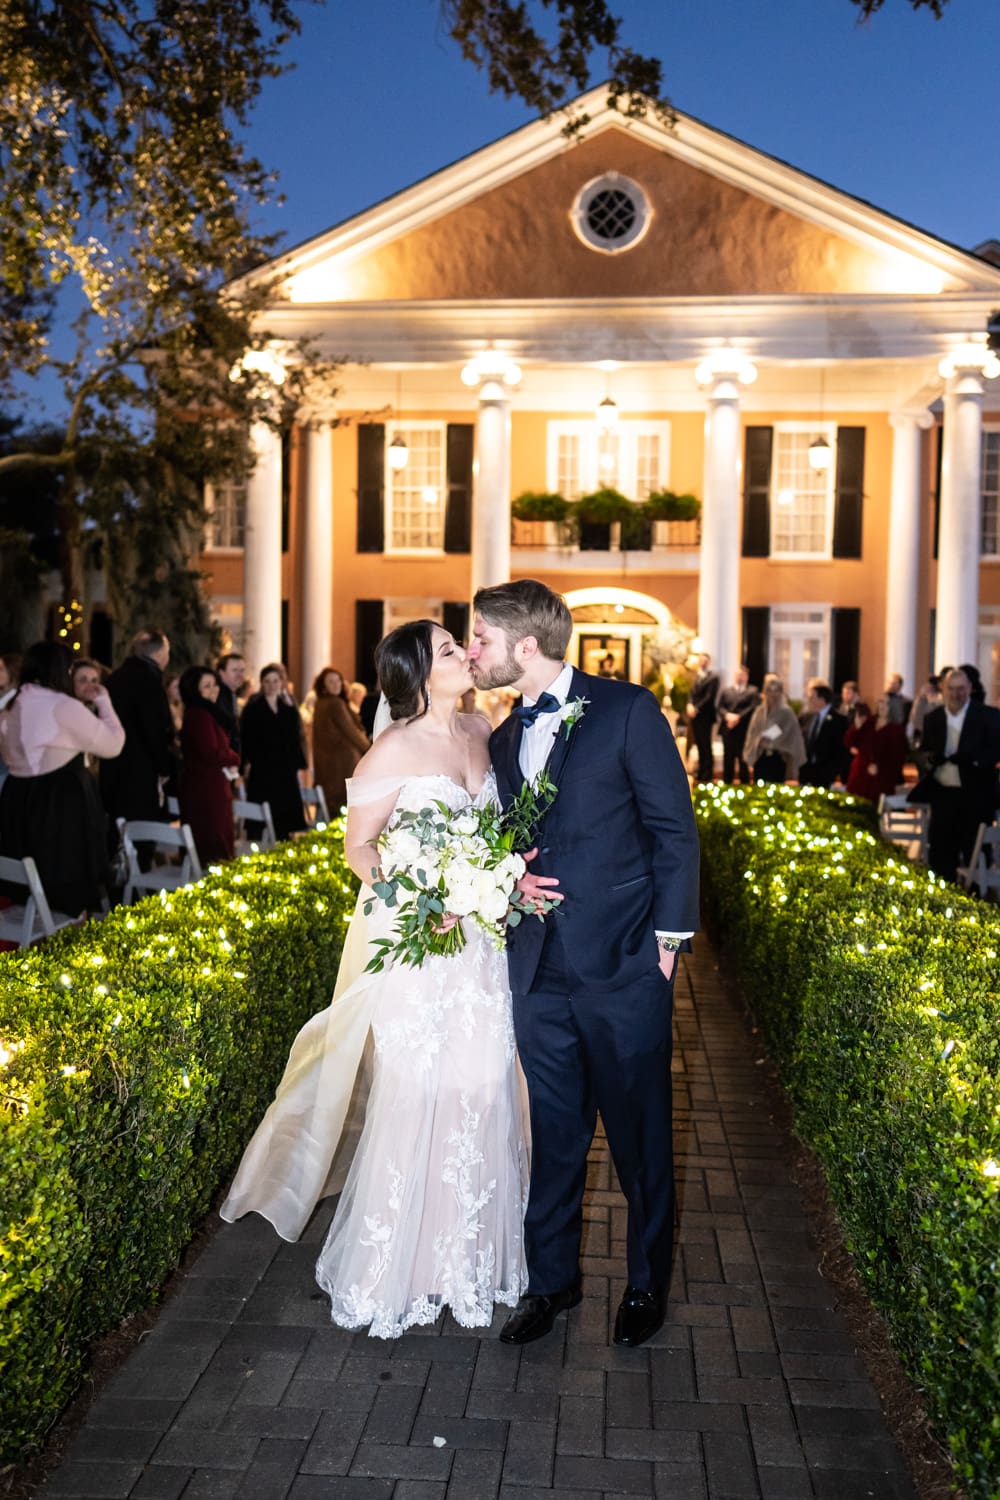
(430, 1215)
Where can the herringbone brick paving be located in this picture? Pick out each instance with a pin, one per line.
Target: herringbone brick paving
(751, 1391)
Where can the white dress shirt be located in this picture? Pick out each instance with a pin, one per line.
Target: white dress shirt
(537, 740)
(948, 774)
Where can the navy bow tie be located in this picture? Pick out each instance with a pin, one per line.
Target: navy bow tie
(548, 703)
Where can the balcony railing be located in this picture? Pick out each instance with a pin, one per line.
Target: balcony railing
(657, 537)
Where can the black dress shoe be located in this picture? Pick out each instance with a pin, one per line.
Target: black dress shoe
(640, 1314)
(533, 1317)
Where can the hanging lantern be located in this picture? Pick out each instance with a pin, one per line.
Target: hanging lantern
(397, 452)
(820, 454)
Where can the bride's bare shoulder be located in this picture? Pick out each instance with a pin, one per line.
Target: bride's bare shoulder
(391, 754)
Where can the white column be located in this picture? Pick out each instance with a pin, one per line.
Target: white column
(958, 529)
(317, 564)
(262, 552)
(902, 576)
(719, 576)
(491, 488)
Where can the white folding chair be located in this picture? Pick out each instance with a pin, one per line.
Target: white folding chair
(905, 824)
(167, 840)
(983, 869)
(314, 802)
(173, 808)
(253, 812)
(25, 924)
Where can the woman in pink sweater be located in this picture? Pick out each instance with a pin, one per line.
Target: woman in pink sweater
(50, 808)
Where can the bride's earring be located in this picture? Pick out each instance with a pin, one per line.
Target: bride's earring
(427, 695)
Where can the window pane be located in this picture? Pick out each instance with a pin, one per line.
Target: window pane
(227, 518)
(568, 480)
(800, 497)
(990, 532)
(647, 464)
(608, 460)
(417, 492)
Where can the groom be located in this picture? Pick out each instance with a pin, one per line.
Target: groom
(592, 985)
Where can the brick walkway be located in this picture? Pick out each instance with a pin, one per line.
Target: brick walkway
(752, 1391)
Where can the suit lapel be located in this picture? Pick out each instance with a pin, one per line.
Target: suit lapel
(509, 760)
(556, 763)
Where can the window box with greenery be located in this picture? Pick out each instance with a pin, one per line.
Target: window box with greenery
(542, 508)
(597, 513)
(677, 518)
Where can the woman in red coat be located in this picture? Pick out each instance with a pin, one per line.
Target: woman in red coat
(209, 766)
(878, 748)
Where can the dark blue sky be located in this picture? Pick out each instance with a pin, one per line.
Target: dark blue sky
(900, 111)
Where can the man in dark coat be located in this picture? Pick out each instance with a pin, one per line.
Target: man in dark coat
(592, 986)
(961, 741)
(736, 704)
(232, 674)
(130, 785)
(701, 714)
(823, 730)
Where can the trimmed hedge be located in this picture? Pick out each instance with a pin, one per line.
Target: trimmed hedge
(878, 987)
(136, 1055)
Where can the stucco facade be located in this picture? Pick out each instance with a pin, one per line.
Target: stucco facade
(749, 311)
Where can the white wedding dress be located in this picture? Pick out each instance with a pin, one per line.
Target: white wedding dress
(432, 1209)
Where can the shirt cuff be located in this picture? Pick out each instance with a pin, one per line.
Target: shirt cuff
(681, 935)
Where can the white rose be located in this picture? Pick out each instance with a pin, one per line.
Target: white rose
(461, 898)
(466, 824)
(402, 849)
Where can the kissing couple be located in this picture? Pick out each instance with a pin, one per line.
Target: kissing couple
(437, 1209)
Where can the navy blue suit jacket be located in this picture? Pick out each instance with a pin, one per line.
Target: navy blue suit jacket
(620, 837)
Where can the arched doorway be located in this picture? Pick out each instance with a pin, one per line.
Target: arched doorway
(613, 621)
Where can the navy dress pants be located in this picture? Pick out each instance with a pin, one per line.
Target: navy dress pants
(585, 1051)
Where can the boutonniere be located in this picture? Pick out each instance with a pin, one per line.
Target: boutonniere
(573, 711)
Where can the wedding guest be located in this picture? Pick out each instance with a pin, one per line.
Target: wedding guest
(849, 699)
(232, 676)
(962, 742)
(172, 688)
(86, 680)
(210, 764)
(338, 740)
(899, 704)
(877, 745)
(823, 729)
(774, 745)
(273, 754)
(49, 805)
(131, 785)
(356, 695)
(928, 697)
(701, 708)
(736, 706)
(8, 687)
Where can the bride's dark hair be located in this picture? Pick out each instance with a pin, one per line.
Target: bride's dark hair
(403, 660)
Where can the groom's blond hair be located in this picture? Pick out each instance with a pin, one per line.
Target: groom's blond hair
(527, 607)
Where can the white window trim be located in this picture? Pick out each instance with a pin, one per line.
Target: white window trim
(581, 203)
(628, 428)
(791, 628)
(211, 546)
(989, 557)
(820, 429)
(402, 428)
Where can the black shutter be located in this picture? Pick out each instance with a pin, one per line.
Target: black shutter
(284, 631)
(846, 652)
(849, 503)
(368, 616)
(371, 488)
(939, 454)
(756, 641)
(933, 646)
(458, 512)
(455, 619)
(758, 444)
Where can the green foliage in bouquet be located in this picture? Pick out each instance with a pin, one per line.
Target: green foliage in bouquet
(878, 988)
(136, 1056)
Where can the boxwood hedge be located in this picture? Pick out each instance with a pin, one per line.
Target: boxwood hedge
(877, 986)
(136, 1054)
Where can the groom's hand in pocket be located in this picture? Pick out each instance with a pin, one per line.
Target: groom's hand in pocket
(537, 888)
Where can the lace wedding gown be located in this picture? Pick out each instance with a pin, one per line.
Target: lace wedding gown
(431, 1212)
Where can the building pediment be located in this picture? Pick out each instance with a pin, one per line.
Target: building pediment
(719, 220)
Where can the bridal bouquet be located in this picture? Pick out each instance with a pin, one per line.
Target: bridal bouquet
(464, 864)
